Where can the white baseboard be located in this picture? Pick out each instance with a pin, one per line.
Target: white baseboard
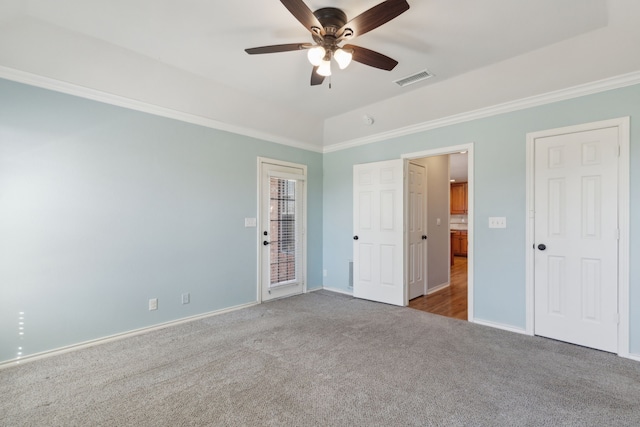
(339, 291)
(110, 338)
(500, 326)
(509, 328)
(437, 288)
(632, 356)
(319, 288)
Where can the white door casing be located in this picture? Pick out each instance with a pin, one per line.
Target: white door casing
(282, 229)
(378, 252)
(577, 282)
(416, 231)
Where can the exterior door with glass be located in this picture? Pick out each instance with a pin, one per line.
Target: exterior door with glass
(282, 228)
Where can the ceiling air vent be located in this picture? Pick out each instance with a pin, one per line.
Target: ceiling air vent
(414, 78)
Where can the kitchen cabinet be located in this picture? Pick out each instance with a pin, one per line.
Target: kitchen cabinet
(459, 242)
(459, 198)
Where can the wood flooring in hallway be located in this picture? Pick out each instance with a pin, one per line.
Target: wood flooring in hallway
(451, 301)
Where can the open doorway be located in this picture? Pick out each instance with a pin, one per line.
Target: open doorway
(447, 254)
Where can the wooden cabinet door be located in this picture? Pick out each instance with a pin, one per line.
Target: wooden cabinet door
(463, 243)
(453, 246)
(459, 198)
(459, 243)
(455, 243)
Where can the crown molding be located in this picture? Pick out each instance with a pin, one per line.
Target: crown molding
(598, 86)
(603, 85)
(133, 104)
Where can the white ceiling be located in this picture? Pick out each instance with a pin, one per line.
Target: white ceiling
(188, 55)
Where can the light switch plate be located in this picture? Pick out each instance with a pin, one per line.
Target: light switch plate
(497, 222)
(249, 222)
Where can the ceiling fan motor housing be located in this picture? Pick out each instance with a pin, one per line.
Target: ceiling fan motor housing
(331, 18)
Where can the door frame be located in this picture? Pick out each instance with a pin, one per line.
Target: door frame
(623, 222)
(452, 149)
(260, 214)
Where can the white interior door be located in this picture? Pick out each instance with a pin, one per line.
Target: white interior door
(417, 233)
(378, 252)
(282, 227)
(576, 238)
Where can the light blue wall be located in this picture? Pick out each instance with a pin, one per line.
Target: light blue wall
(499, 181)
(102, 208)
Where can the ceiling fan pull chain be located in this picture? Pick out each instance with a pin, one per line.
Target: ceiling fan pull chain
(329, 82)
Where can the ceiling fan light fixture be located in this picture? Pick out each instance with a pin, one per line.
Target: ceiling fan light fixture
(316, 55)
(343, 57)
(324, 69)
(329, 28)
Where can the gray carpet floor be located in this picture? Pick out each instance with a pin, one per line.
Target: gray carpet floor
(324, 359)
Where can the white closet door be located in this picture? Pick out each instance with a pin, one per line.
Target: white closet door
(576, 238)
(378, 253)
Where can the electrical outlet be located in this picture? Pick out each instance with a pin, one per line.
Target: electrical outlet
(153, 304)
(186, 298)
(324, 273)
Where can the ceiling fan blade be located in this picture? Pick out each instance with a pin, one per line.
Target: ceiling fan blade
(371, 58)
(302, 13)
(316, 79)
(277, 48)
(376, 16)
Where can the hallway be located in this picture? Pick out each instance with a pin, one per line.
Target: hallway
(451, 301)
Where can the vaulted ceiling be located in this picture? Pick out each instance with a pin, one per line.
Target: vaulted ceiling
(187, 56)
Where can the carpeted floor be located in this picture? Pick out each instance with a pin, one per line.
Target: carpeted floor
(324, 359)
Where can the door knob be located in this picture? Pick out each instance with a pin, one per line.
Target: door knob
(265, 243)
(355, 237)
(424, 237)
(542, 246)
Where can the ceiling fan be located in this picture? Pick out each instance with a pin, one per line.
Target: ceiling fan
(329, 28)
